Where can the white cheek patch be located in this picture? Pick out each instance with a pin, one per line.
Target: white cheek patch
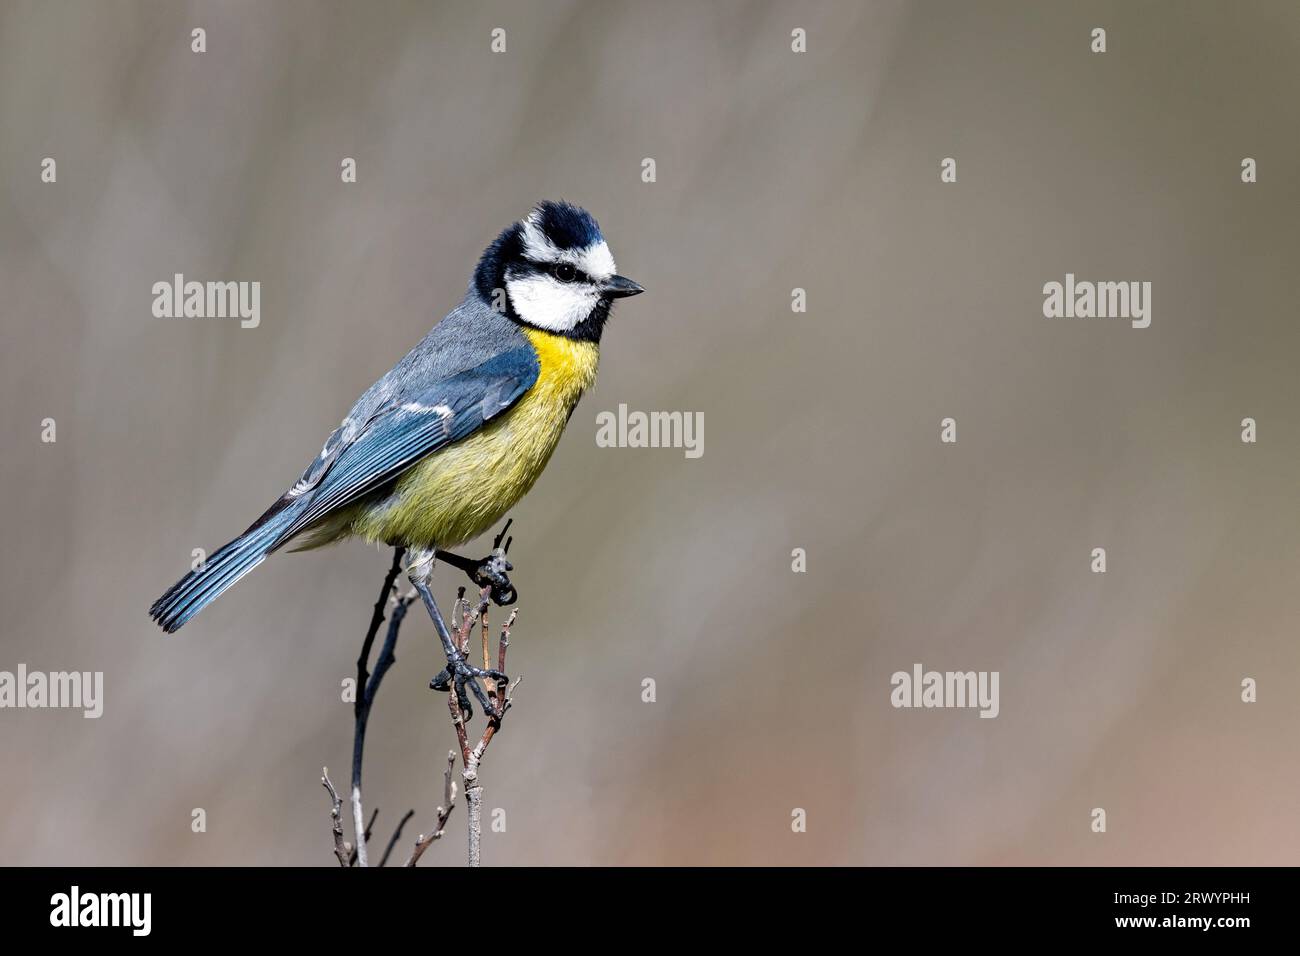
(548, 304)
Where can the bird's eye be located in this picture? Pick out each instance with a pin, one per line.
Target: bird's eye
(565, 272)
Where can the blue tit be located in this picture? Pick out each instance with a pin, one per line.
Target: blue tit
(443, 445)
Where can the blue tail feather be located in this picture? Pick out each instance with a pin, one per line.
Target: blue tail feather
(228, 564)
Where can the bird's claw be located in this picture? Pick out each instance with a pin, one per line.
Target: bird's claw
(491, 573)
(461, 674)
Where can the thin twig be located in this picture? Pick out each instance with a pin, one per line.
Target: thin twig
(376, 618)
(342, 849)
(463, 621)
(487, 653)
(368, 687)
(460, 609)
(444, 811)
(370, 828)
(458, 722)
(468, 626)
(504, 643)
(397, 835)
(473, 757)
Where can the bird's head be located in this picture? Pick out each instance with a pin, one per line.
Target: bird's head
(553, 271)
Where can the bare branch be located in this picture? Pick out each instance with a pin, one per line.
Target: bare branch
(474, 798)
(342, 849)
(473, 757)
(487, 653)
(358, 827)
(496, 703)
(444, 811)
(397, 835)
(370, 828)
(376, 618)
(368, 687)
(458, 722)
(504, 643)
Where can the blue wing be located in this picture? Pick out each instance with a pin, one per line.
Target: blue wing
(360, 457)
(412, 426)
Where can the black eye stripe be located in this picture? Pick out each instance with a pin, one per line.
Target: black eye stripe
(549, 269)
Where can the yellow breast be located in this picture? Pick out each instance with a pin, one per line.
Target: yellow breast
(463, 490)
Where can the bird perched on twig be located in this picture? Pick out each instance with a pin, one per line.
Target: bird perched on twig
(440, 448)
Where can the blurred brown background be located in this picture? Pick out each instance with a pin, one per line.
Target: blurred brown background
(775, 170)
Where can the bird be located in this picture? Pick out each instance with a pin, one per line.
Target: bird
(440, 448)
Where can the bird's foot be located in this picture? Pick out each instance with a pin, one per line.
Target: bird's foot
(460, 674)
(489, 572)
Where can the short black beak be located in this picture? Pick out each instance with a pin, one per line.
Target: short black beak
(618, 287)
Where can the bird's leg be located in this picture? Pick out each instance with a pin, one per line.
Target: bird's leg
(489, 571)
(459, 673)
